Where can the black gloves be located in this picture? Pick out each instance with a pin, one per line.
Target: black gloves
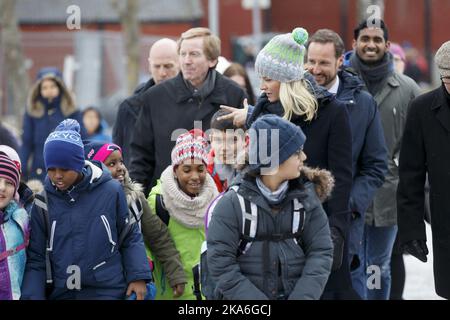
(417, 248)
(338, 253)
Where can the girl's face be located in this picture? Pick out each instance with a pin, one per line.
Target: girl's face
(191, 175)
(271, 88)
(115, 165)
(91, 121)
(63, 179)
(290, 169)
(7, 191)
(49, 89)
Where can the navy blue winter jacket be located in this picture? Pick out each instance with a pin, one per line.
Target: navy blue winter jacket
(85, 226)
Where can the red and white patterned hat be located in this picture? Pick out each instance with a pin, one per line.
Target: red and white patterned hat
(190, 145)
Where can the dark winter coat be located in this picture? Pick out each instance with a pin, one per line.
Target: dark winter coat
(426, 149)
(169, 109)
(297, 272)
(40, 119)
(86, 224)
(369, 152)
(392, 100)
(328, 146)
(126, 121)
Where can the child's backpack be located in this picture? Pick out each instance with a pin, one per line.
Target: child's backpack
(249, 211)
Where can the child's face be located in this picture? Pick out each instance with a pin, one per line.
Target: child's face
(91, 121)
(191, 175)
(227, 144)
(7, 191)
(63, 179)
(290, 169)
(49, 89)
(115, 165)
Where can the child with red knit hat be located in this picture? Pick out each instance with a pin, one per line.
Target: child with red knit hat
(181, 198)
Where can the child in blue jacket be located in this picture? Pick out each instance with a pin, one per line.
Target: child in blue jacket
(94, 252)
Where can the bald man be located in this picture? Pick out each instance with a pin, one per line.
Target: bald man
(163, 65)
(163, 60)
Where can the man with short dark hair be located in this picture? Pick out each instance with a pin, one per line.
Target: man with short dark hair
(325, 55)
(194, 95)
(392, 92)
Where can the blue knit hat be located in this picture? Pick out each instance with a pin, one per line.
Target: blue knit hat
(282, 58)
(273, 140)
(64, 148)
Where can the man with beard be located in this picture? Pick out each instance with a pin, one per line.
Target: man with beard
(392, 92)
(324, 60)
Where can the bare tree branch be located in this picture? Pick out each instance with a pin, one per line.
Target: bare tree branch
(11, 43)
(130, 30)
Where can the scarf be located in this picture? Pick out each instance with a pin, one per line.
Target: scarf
(273, 197)
(375, 75)
(188, 211)
(207, 87)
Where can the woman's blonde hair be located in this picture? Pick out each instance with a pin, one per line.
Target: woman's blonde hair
(296, 99)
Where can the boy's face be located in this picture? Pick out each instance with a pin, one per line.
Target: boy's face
(115, 165)
(7, 191)
(227, 144)
(191, 175)
(63, 179)
(291, 168)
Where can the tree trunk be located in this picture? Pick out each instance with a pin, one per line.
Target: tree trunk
(15, 68)
(130, 30)
(362, 9)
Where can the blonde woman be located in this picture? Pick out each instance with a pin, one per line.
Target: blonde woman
(292, 93)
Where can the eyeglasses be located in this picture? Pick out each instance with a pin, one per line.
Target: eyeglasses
(445, 80)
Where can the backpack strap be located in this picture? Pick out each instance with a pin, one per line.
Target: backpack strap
(161, 210)
(41, 202)
(249, 212)
(298, 220)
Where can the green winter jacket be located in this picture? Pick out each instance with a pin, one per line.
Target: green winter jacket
(188, 242)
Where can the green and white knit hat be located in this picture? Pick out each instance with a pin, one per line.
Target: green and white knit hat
(282, 58)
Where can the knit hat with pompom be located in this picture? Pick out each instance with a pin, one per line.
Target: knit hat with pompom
(282, 58)
(64, 148)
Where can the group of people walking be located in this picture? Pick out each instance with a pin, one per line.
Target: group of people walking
(298, 195)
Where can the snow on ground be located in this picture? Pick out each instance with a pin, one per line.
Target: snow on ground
(419, 276)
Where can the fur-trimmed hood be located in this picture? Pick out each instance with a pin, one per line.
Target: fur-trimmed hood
(322, 179)
(36, 108)
(132, 189)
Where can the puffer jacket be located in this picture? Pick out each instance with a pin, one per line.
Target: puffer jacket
(295, 272)
(14, 233)
(86, 223)
(156, 235)
(40, 119)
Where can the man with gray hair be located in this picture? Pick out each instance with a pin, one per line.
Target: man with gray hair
(163, 64)
(174, 105)
(426, 149)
